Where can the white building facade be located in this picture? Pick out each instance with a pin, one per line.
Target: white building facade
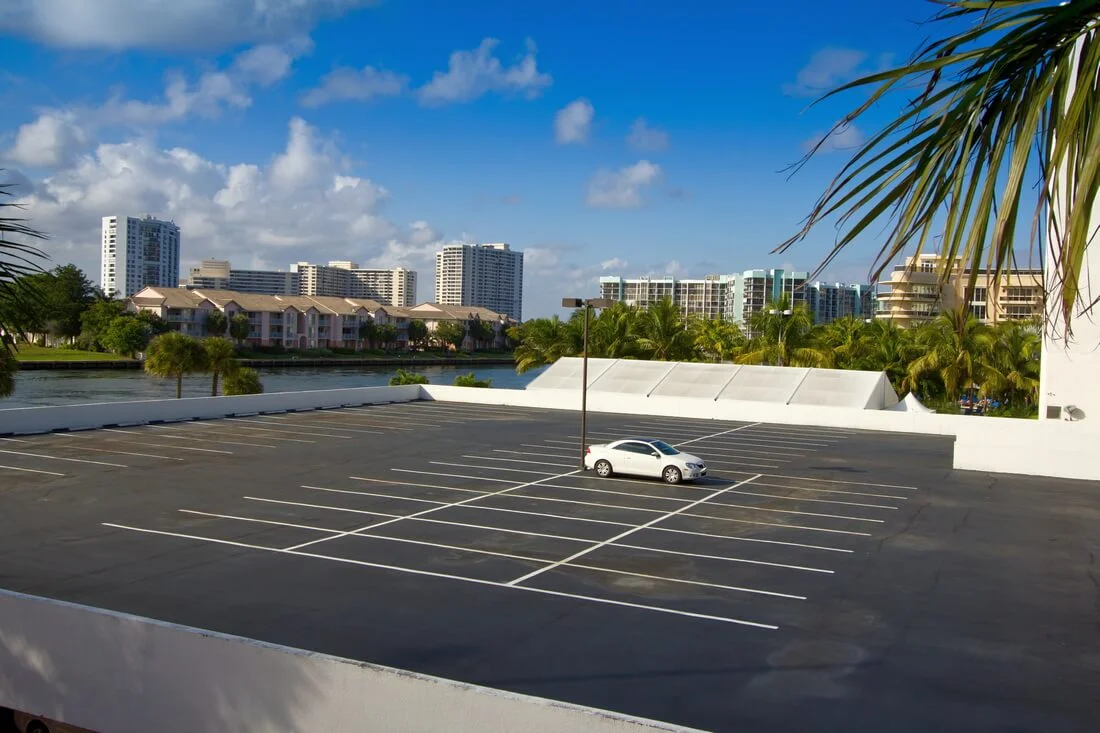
(345, 279)
(484, 275)
(220, 275)
(138, 253)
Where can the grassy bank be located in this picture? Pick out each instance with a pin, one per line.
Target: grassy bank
(348, 354)
(30, 352)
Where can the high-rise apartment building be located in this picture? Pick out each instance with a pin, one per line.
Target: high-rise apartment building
(138, 253)
(389, 286)
(220, 275)
(708, 297)
(914, 292)
(757, 288)
(485, 275)
(830, 301)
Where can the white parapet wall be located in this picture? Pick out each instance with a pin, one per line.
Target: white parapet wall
(113, 672)
(21, 420)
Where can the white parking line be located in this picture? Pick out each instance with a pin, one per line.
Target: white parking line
(834, 491)
(818, 501)
(526, 533)
(32, 470)
(744, 435)
(492, 468)
(219, 441)
(518, 460)
(401, 414)
(621, 535)
(427, 573)
(120, 452)
(591, 520)
(749, 439)
(777, 429)
(358, 422)
(532, 453)
(165, 445)
(13, 440)
(211, 427)
(836, 481)
(59, 458)
(428, 511)
(276, 430)
(338, 428)
(734, 452)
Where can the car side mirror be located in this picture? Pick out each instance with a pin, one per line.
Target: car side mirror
(655, 454)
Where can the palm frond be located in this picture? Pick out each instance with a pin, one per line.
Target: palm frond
(18, 259)
(1013, 94)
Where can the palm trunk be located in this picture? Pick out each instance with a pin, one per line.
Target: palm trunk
(214, 385)
(179, 385)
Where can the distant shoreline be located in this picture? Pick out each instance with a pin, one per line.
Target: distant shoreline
(34, 364)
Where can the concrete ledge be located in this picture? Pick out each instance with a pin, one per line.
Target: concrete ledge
(115, 672)
(21, 420)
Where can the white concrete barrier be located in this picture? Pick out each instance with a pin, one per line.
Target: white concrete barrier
(101, 414)
(113, 672)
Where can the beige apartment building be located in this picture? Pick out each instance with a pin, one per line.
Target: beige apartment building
(303, 321)
(914, 294)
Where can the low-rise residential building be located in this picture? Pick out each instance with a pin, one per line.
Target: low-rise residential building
(916, 292)
(304, 321)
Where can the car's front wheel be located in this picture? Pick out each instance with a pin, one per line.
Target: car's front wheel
(603, 468)
(672, 475)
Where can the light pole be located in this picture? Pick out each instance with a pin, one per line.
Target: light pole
(588, 305)
(781, 314)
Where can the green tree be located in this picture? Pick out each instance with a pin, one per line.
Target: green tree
(718, 340)
(450, 333)
(387, 334)
(368, 332)
(174, 354)
(418, 333)
(96, 319)
(780, 336)
(1010, 368)
(156, 324)
(67, 293)
(220, 360)
(1011, 97)
(9, 365)
(954, 347)
(891, 349)
(126, 335)
(469, 380)
(842, 343)
(482, 333)
(18, 259)
(243, 380)
(542, 341)
(216, 323)
(406, 377)
(239, 327)
(612, 333)
(662, 334)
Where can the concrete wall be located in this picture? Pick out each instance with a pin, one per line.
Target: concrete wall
(117, 673)
(1000, 445)
(77, 417)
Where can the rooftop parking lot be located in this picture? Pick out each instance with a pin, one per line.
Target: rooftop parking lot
(815, 579)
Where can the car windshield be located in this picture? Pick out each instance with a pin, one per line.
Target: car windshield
(664, 447)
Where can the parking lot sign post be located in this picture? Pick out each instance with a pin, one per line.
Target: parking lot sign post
(588, 305)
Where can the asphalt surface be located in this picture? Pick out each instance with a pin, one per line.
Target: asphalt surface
(818, 579)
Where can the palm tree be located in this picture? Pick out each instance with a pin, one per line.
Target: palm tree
(239, 327)
(662, 334)
(780, 336)
(243, 380)
(719, 340)
(174, 354)
(842, 343)
(1014, 92)
(17, 260)
(8, 366)
(220, 360)
(891, 349)
(542, 341)
(216, 323)
(613, 334)
(955, 344)
(1011, 367)
(368, 332)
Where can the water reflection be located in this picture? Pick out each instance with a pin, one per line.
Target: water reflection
(75, 386)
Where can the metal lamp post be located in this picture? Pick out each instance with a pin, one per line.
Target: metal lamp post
(781, 314)
(588, 305)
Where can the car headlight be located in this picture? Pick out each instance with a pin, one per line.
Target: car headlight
(695, 466)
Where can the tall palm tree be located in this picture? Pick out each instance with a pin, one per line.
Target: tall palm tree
(715, 338)
(1011, 367)
(842, 343)
(1013, 92)
(891, 349)
(956, 345)
(542, 341)
(18, 259)
(780, 336)
(220, 360)
(613, 333)
(174, 354)
(8, 367)
(662, 334)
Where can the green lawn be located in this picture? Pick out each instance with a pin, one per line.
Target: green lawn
(29, 352)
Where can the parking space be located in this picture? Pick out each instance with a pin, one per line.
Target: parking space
(454, 524)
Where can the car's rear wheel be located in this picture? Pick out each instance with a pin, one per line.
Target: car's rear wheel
(603, 468)
(672, 475)
(37, 726)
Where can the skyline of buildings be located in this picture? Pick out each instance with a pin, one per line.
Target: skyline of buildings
(137, 252)
(486, 275)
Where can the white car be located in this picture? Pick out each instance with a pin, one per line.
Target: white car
(644, 457)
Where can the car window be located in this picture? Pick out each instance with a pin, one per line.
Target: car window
(664, 447)
(639, 448)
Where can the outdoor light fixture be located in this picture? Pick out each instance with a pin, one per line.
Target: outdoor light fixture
(588, 305)
(781, 314)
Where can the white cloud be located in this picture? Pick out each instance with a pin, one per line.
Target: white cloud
(472, 74)
(646, 138)
(573, 122)
(826, 69)
(359, 85)
(56, 137)
(302, 204)
(844, 137)
(166, 24)
(621, 189)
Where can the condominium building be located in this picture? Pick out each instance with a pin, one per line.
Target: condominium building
(708, 297)
(830, 301)
(485, 275)
(916, 292)
(136, 253)
(757, 288)
(220, 275)
(396, 286)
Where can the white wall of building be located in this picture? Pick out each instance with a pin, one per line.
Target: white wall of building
(114, 672)
(124, 269)
(485, 275)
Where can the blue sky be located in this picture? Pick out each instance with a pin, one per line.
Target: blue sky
(616, 137)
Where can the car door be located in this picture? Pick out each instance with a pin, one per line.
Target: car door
(624, 458)
(643, 462)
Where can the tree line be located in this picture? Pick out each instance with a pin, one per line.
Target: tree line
(939, 360)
